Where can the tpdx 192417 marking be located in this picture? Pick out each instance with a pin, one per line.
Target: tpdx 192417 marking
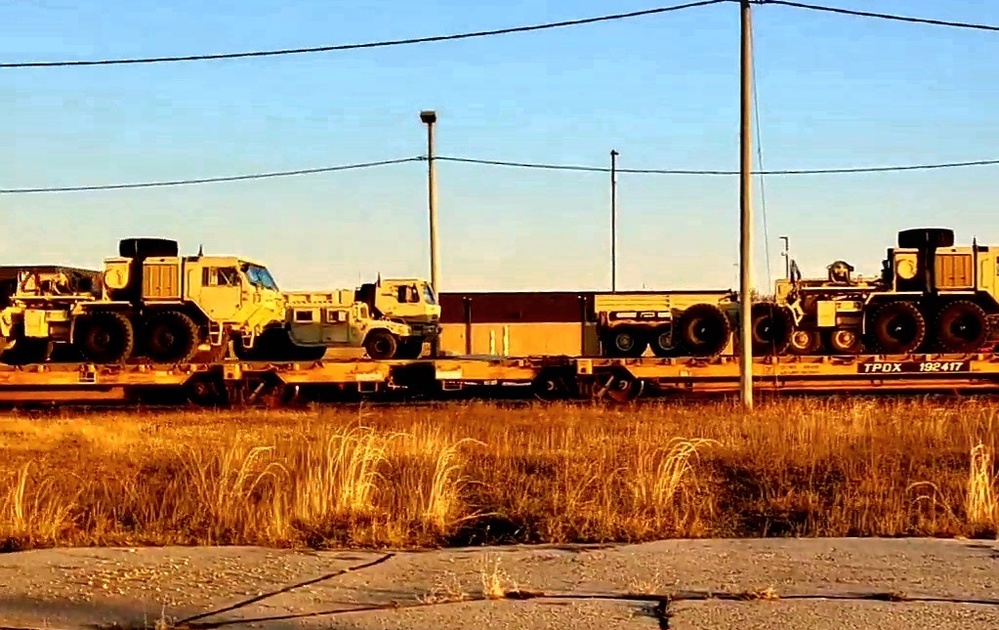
(909, 367)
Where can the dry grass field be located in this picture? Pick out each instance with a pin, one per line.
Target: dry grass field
(481, 473)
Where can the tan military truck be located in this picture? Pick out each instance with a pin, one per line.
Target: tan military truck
(149, 301)
(409, 301)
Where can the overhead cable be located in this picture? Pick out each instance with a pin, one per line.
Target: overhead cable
(661, 171)
(378, 44)
(883, 16)
(210, 180)
(464, 160)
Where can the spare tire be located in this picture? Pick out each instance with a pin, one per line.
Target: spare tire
(919, 238)
(702, 330)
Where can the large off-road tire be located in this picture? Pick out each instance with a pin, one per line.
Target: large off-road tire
(661, 341)
(961, 326)
(897, 328)
(381, 344)
(919, 238)
(702, 330)
(771, 328)
(625, 341)
(104, 337)
(171, 337)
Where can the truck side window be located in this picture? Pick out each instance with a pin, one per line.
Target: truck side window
(228, 276)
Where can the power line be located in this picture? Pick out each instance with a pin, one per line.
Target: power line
(378, 44)
(883, 16)
(465, 160)
(659, 171)
(210, 180)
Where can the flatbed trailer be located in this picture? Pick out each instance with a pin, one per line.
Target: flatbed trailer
(236, 383)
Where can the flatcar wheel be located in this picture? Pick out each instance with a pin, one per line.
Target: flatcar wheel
(805, 342)
(622, 389)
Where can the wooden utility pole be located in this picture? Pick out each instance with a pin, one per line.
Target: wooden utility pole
(745, 212)
(613, 174)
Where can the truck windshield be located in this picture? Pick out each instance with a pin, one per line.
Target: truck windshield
(259, 276)
(428, 295)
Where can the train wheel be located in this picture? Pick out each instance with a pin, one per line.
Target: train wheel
(962, 326)
(898, 328)
(381, 344)
(702, 330)
(104, 337)
(771, 328)
(662, 341)
(843, 341)
(805, 342)
(171, 337)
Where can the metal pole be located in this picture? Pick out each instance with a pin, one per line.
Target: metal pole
(745, 214)
(614, 155)
(429, 117)
(787, 256)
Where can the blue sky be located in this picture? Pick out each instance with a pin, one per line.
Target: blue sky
(662, 90)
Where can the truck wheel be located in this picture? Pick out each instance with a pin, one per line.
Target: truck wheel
(962, 326)
(171, 337)
(843, 341)
(104, 337)
(897, 328)
(625, 342)
(702, 330)
(662, 341)
(805, 342)
(381, 344)
(770, 328)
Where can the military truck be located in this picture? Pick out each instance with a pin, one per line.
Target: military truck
(151, 302)
(409, 301)
(930, 295)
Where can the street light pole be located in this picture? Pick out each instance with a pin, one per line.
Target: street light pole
(745, 212)
(429, 118)
(613, 156)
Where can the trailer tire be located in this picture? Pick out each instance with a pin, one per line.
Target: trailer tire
(805, 342)
(844, 341)
(962, 326)
(381, 344)
(661, 341)
(104, 337)
(771, 328)
(625, 341)
(171, 337)
(897, 328)
(702, 330)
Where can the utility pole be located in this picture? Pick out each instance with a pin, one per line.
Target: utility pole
(745, 212)
(429, 117)
(613, 155)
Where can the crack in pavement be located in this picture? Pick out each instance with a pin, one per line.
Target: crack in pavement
(662, 609)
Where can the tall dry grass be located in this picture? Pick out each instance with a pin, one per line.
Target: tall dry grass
(481, 473)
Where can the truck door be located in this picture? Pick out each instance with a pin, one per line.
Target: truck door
(221, 293)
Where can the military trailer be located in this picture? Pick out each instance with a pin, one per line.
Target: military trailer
(931, 295)
(586, 323)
